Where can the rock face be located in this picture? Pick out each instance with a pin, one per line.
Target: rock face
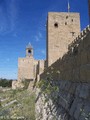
(72, 103)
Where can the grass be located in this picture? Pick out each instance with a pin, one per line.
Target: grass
(24, 107)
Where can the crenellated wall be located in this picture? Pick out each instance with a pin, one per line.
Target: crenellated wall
(72, 76)
(75, 64)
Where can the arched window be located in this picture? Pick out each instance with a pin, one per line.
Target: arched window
(29, 51)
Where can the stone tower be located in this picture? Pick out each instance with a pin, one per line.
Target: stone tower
(26, 66)
(62, 28)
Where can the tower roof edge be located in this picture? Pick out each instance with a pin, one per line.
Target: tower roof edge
(29, 46)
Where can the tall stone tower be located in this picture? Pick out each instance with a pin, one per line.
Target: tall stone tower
(62, 28)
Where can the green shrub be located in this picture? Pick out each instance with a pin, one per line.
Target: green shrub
(47, 86)
(5, 83)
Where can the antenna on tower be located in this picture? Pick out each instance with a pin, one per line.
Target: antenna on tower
(68, 6)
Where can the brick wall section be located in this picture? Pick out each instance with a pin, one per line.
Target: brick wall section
(75, 64)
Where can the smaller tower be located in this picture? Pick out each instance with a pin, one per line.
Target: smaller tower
(29, 50)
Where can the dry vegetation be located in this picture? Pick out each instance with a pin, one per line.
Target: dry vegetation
(17, 104)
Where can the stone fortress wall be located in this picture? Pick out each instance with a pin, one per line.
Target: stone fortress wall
(72, 103)
(72, 75)
(75, 64)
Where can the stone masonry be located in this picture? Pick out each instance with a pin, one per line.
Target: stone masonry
(69, 69)
(62, 29)
(71, 74)
(75, 64)
(72, 103)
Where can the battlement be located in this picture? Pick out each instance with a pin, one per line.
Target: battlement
(79, 38)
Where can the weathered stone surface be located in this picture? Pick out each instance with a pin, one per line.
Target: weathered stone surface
(69, 105)
(59, 37)
(85, 112)
(73, 88)
(88, 73)
(88, 54)
(77, 74)
(84, 91)
(78, 110)
(84, 59)
(83, 73)
(78, 88)
(73, 107)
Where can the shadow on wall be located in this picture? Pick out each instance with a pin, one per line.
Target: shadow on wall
(75, 64)
(71, 75)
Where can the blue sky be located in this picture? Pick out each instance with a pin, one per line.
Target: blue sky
(23, 21)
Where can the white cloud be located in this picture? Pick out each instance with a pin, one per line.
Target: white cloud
(38, 37)
(13, 13)
(8, 15)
